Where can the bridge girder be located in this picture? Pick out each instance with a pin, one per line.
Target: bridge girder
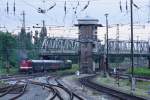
(69, 46)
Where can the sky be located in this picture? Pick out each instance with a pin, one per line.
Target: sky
(57, 17)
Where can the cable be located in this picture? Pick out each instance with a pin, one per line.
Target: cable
(14, 8)
(51, 7)
(136, 6)
(86, 6)
(7, 8)
(120, 5)
(127, 6)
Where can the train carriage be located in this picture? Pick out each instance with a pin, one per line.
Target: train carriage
(44, 65)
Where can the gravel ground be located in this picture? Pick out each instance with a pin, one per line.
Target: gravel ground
(87, 93)
(34, 92)
(141, 88)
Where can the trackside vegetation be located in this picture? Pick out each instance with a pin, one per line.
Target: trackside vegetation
(143, 71)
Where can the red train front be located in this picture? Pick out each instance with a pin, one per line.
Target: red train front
(25, 65)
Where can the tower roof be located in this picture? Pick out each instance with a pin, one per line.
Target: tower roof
(87, 20)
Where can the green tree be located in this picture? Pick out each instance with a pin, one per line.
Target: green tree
(7, 50)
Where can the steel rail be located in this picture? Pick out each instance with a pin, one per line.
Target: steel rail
(116, 93)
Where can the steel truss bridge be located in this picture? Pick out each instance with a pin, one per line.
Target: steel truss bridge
(69, 46)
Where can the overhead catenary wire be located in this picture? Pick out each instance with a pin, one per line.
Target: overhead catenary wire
(7, 8)
(64, 14)
(75, 9)
(51, 7)
(120, 5)
(82, 2)
(14, 7)
(136, 6)
(127, 6)
(86, 6)
(65, 8)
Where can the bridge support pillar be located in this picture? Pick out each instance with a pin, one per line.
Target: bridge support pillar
(87, 36)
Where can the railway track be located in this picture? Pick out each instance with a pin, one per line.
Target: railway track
(55, 89)
(21, 76)
(21, 93)
(16, 88)
(71, 94)
(116, 93)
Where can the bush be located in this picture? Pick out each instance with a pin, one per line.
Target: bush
(75, 67)
(12, 71)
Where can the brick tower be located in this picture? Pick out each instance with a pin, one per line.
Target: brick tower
(87, 35)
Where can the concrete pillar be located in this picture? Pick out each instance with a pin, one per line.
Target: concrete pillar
(87, 36)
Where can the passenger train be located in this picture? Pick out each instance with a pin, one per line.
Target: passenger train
(44, 65)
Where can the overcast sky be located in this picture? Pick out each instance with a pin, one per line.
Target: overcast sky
(56, 16)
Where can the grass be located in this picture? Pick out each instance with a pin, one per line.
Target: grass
(143, 71)
(142, 87)
(96, 93)
(74, 68)
(12, 71)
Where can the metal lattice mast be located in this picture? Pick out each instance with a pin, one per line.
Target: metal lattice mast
(106, 40)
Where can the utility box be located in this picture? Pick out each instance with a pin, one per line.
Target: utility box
(87, 36)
